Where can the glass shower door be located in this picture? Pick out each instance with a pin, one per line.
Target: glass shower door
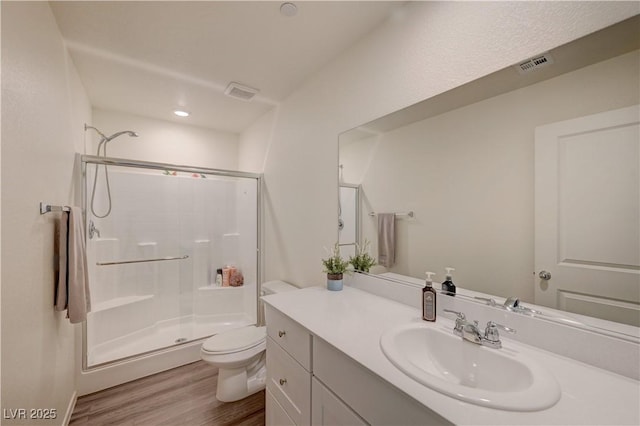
(153, 259)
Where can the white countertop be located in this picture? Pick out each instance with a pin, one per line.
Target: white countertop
(353, 321)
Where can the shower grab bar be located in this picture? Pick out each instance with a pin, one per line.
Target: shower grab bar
(159, 259)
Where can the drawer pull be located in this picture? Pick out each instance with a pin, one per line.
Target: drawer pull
(281, 333)
(283, 382)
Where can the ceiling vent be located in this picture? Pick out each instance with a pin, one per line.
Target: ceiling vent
(238, 91)
(534, 63)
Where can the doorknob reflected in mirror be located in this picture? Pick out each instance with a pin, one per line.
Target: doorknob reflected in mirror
(545, 275)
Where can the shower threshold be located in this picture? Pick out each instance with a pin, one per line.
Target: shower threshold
(164, 334)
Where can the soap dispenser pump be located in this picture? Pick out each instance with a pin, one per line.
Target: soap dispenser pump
(429, 300)
(447, 286)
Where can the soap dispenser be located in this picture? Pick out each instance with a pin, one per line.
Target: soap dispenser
(447, 286)
(429, 300)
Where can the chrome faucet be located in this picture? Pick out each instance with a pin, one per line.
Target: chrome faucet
(512, 304)
(471, 333)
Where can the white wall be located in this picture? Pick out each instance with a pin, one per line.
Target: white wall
(165, 141)
(43, 109)
(254, 143)
(468, 176)
(431, 48)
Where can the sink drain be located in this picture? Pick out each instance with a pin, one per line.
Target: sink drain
(181, 340)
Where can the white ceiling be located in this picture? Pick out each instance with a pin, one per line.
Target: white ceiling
(151, 57)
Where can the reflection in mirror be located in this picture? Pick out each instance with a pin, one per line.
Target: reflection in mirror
(526, 181)
(348, 223)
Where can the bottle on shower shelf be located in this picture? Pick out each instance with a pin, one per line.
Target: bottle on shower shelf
(219, 277)
(226, 274)
(237, 279)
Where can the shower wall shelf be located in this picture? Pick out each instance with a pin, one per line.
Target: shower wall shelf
(220, 288)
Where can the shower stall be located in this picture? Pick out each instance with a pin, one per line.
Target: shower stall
(154, 259)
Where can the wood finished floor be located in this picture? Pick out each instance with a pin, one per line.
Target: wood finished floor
(181, 396)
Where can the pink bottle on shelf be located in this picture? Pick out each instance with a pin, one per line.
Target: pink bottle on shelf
(226, 275)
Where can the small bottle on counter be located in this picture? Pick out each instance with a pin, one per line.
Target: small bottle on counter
(429, 300)
(448, 287)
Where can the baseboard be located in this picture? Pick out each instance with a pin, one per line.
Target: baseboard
(70, 408)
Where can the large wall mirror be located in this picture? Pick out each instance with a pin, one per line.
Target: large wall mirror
(526, 181)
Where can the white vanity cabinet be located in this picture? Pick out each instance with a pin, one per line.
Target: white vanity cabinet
(288, 371)
(311, 382)
(325, 346)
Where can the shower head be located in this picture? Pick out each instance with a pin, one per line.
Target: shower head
(86, 127)
(115, 135)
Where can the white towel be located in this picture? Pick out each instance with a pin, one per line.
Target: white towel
(386, 239)
(72, 292)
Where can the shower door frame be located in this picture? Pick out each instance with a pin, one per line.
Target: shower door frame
(122, 162)
(358, 230)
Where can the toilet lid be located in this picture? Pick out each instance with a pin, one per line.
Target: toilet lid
(235, 340)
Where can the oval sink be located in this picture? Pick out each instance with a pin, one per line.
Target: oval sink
(495, 378)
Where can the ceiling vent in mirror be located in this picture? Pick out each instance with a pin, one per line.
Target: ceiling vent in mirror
(238, 91)
(534, 63)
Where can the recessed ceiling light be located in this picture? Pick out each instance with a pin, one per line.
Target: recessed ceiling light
(288, 9)
(181, 113)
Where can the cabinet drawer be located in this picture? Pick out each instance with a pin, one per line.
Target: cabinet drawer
(275, 414)
(293, 338)
(289, 383)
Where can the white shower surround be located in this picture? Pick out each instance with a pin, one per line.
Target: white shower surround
(142, 307)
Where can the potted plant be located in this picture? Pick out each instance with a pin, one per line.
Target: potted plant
(335, 266)
(362, 261)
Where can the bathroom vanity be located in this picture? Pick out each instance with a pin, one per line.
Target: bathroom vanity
(326, 365)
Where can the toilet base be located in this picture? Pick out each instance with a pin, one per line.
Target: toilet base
(235, 384)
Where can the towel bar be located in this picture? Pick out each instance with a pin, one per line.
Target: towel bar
(409, 213)
(46, 208)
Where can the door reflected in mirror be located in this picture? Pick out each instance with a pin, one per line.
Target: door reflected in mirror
(515, 174)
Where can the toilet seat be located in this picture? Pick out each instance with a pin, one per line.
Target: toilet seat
(235, 340)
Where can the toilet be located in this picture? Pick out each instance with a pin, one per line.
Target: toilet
(239, 354)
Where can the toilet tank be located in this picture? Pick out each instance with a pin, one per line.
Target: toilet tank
(271, 287)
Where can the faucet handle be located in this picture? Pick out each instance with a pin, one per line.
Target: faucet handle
(492, 336)
(459, 314)
(494, 325)
(490, 301)
(461, 320)
(491, 332)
